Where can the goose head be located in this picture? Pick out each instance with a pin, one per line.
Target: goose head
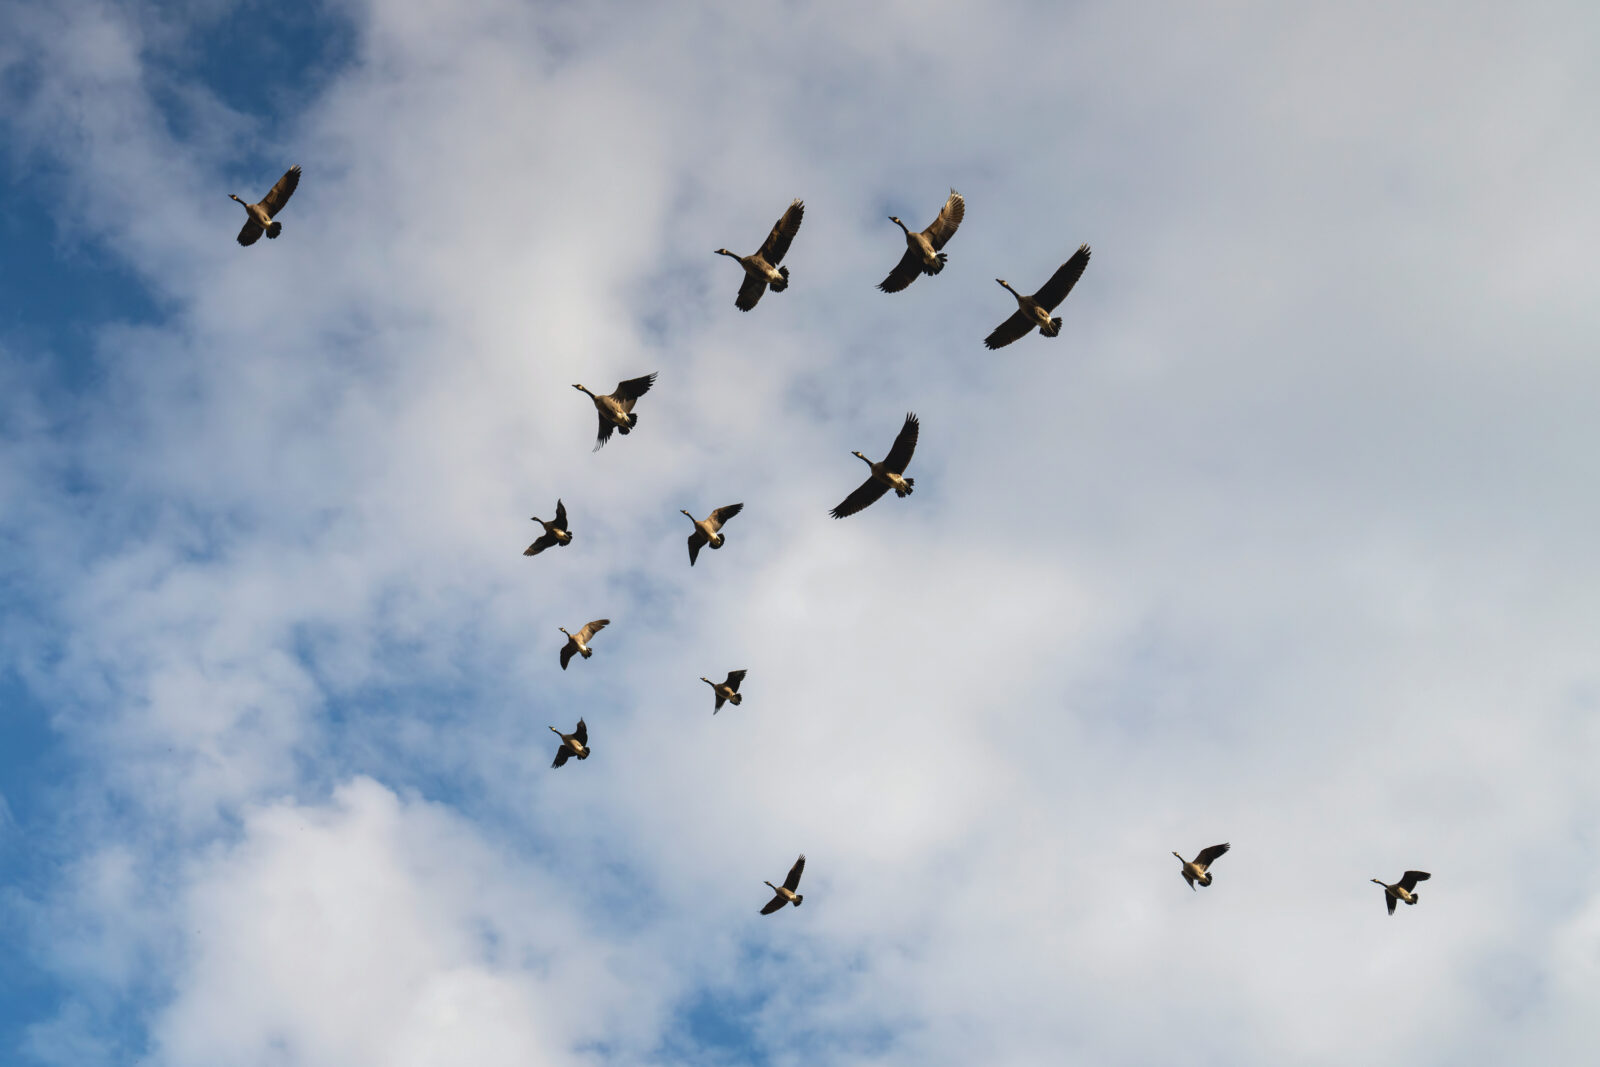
(558, 733)
(685, 511)
(233, 197)
(1381, 882)
(1006, 285)
(725, 252)
(862, 458)
(900, 224)
(563, 629)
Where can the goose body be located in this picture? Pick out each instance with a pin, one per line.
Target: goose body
(785, 893)
(1404, 889)
(886, 475)
(727, 691)
(1197, 870)
(574, 744)
(616, 408)
(707, 530)
(261, 213)
(1035, 310)
(555, 532)
(578, 643)
(922, 255)
(761, 270)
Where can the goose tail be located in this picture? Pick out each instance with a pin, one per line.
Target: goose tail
(780, 286)
(275, 229)
(1051, 330)
(937, 265)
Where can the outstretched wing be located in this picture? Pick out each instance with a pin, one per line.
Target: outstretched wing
(724, 513)
(774, 904)
(273, 202)
(905, 443)
(1016, 326)
(592, 628)
(1061, 282)
(568, 650)
(562, 755)
(1188, 876)
(561, 517)
(632, 389)
(776, 245)
(1389, 898)
(1409, 882)
(866, 493)
(581, 732)
(792, 882)
(905, 272)
(251, 233)
(721, 700)
(1208, 856)
(540, 545)
(697, 541)
(950, 216)
(734, 678)
(604, 435)
(750, 291)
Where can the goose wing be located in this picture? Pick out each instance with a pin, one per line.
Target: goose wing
(1389, 898)
(604, 434)
(723, 514)
(631, 390)
(866, 493)
(562, 755)
(774, 904)
(561, 517)
(950, 216)
(592, 628)
(792, 882)
(1409, 882)
(734, 678)
(581, 732)
(1188, 876)
(1208, 856)
(540, 545)
(697, 541)
(280, 193)
(776, 246)
(568, 650)
(905, 443)
(750, 291)
(1010, 330)
(905, 272)
(1061, 282)
(721, 700)
(251, 233)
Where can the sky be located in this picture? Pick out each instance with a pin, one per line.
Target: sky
(1287, 540)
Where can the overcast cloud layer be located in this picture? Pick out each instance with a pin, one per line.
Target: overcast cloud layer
(1288, 540)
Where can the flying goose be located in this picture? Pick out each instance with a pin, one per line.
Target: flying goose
(885, 475)
(260, 220)
(761, 270)
(705, 530)
(616, 408)
(1404, 889)
(786, 891)
(1196, 870)
(555, 533)
(579, 642)
(574, 744)
(1035, 310)
(922, 249)
(727, 691)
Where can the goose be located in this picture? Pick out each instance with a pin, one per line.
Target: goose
(728, 691)
(260, 220)
(761, 270)
(922, 249)
(616, 408)
(555, 533)
(1196, 870)
(885, 475)
(786, 891)
(1404, 889)
(1035, 310)
(574, 744)
(705, 530)
(579, 642)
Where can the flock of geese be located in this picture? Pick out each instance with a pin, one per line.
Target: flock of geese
(763, 270)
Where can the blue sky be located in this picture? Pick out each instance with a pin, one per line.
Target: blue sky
(1285, 541)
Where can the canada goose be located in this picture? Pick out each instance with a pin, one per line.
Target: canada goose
(260, 220)
(705, 530)
(579, 642)
(727, 691)
(922, 249)
(574, 744)
(885, 475)
(616, 408)
(1195, 870)
(1035, 310)
(1403, 889)
(761, 269)
(555, 533)
(786, 891)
